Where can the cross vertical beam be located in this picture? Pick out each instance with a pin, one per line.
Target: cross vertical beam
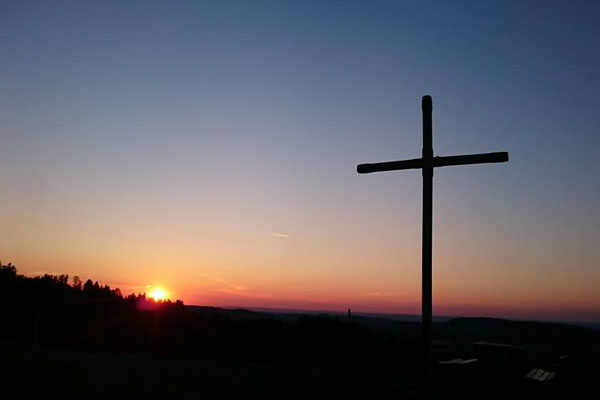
(426, 249)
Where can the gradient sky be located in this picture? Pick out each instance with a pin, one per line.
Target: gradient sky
(210, 147)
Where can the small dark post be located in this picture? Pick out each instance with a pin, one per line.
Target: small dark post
(426, 250)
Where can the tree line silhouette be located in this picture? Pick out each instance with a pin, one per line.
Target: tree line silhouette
(51, 311)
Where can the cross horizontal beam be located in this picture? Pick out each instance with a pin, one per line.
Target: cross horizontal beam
(482, 158)
(390, 166)
(446, 161)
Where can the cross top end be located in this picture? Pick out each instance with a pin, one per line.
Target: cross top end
(428, 161)
(426, 103)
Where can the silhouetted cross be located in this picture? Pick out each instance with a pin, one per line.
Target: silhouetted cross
(427, 163)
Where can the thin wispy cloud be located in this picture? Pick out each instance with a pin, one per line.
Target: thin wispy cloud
(243, 291)
(280, 235)
(126, 287)
(42, 273)
(378, 294)
(236, 288)
(212, 277)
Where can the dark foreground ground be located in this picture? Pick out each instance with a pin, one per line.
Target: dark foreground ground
(34, 372)
(87, 341)
(29, 372)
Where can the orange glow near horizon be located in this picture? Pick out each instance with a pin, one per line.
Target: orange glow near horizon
(283, 276)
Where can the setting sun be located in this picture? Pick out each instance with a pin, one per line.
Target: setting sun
(158, 294)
